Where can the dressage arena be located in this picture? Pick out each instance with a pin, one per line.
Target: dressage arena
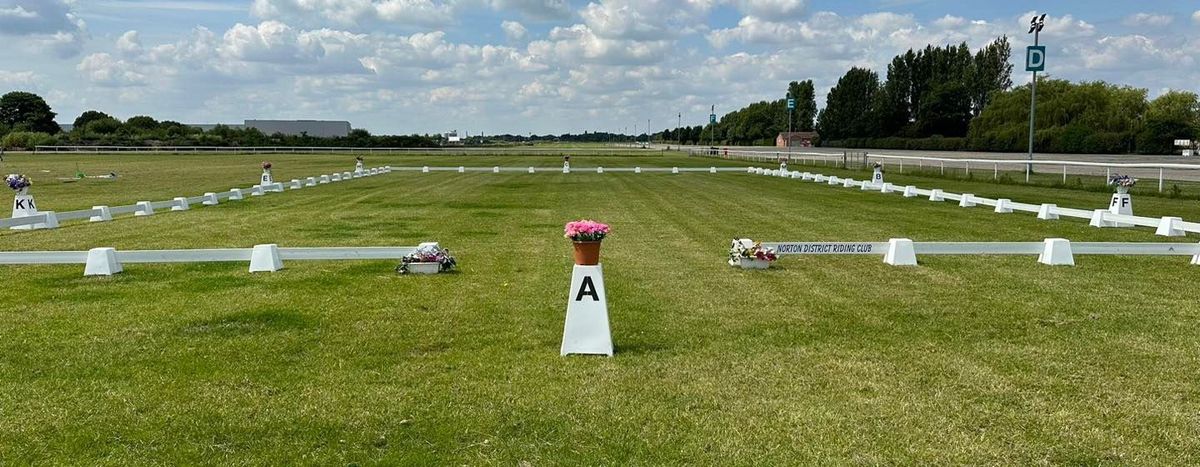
(985, 356)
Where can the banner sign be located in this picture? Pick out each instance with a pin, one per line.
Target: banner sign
(828, 248)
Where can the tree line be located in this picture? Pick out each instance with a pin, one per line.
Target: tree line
(26, 121)
(948, 98)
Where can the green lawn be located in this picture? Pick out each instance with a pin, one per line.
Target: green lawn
(963, 360)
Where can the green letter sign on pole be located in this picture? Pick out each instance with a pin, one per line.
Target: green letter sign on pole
(1035, 58)
(1035, 61)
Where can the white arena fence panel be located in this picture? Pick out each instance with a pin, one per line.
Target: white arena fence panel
(1165, 226)
(559, 169)
(1052, 251)
(262, 258)
(1160, 171)
(50, 219)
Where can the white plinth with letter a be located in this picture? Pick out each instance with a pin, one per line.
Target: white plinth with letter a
(586, 330)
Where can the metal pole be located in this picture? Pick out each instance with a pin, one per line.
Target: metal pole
(1032, 112)
(1160, 180)
(1064, 174)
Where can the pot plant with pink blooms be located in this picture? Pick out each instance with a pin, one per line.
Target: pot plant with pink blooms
(586, 235)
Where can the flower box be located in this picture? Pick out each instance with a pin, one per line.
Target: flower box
(424, 268)
(429, 258)
(751, 263)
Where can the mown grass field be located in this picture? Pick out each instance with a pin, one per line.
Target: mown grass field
(963, 360)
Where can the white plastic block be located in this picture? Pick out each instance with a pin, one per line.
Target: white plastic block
(297, 184)
(346, 175)
(1196, 259)
(796, 175)
(967, 201)
(462, 169)
(181, 204)
(210, 199)
(637, 170)
(586, 330)
(144, 209)
(335, 177)
(599, 170)
(102, 262)
(51, 220)
(887, 188)
(495, 170)
(1168, 227)
(866, 185)
(1046, 212)
(103, 214)
(910, 191)
(1099, 220)
(276, 187)
(712, 170)
(806, 176)
(425, 169)
(1057, 252)
(531, 170)
(1003, 206)
(674, 170)
(833, 180)
(900, 252)
(236, 193)
(749, 170)
(936, 195)
(257, 190)
(324, 179)
(310, 181)
(265, 258)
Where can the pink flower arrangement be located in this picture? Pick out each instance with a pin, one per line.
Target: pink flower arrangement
(266, 165)
(586, 231)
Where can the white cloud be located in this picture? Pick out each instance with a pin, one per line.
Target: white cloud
(580, 44)
(644, 20)
(535, 9)
(774, 10)
(514, 31)
(129, 43)
(47, 24)
(18, 79)
(1148, 19)
(617, 62)
(1132, 52)
(105, 70)
(356, 12)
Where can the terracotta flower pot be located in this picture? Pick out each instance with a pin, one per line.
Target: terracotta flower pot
(587, 253)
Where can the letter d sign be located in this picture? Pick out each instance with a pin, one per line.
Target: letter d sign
(1035, 58)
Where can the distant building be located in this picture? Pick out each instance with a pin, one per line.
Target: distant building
(453, 138)
(317, 128)
(798, 139)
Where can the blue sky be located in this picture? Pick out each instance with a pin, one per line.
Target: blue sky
(544, 66)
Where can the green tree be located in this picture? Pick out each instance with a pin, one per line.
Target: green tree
(991, 72)
(87, 117)
(1171, 116)
(848, 109)
(141, 123)
(806, 104)
(103, 126)
(27, 111)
